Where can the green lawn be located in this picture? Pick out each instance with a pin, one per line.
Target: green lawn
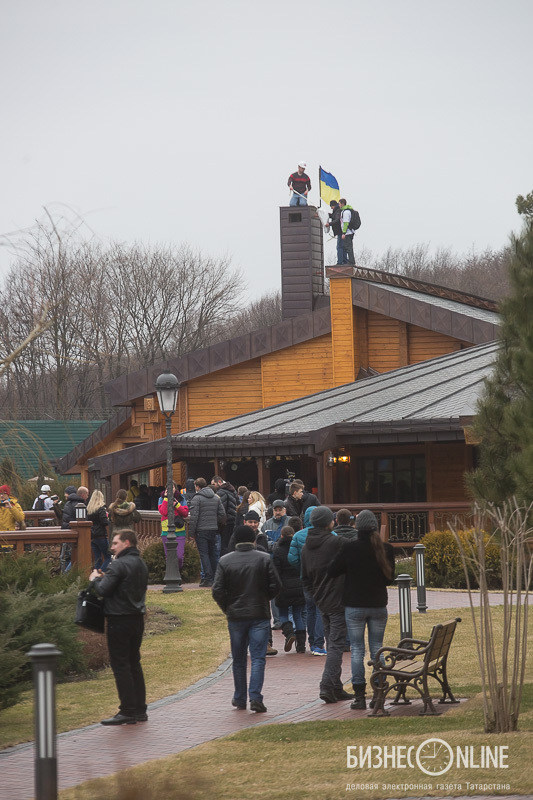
(171, 662)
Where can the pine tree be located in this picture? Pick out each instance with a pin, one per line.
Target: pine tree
(504, 422)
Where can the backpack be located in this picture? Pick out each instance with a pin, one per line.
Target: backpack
(39, 505)
(355, 220)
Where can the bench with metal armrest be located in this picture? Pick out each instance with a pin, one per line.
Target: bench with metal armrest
(411, 664)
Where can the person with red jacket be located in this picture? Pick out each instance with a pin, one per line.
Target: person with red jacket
(300, 185)
(181, 511)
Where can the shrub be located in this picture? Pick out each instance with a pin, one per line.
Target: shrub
(444, 568)
(154, 557)
(405, 566)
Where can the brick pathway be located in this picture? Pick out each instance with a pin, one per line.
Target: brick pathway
(198, 714)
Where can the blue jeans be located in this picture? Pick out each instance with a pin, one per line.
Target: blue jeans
(297, 200)
(357, 619)
(342, 256)
(315, 629)
(206, 541)
(298, 614)
(101, 554)
(244, 634)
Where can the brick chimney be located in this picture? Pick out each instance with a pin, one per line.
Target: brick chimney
(302, 260)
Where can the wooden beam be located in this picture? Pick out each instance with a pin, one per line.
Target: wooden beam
(263, 476)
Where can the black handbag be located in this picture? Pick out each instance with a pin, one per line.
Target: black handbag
(90, 611)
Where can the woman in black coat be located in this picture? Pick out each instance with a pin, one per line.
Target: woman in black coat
(291, 596)
(368, 566)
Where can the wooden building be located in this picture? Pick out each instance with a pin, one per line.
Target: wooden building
(370, 336)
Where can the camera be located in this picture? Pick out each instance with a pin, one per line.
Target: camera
(54, 497)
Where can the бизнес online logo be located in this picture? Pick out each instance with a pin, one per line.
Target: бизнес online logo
(433, 756)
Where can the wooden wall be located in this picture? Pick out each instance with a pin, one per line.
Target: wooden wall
(299, 370)
(449, 461)
(224, 394)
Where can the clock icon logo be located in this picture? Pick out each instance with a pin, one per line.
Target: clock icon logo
(434, 757)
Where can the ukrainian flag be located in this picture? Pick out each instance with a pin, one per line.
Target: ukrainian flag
(329, 188)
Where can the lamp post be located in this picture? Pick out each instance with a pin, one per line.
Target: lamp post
(167, 387)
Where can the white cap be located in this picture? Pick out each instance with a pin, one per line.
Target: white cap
(302, 164)
(45, 488)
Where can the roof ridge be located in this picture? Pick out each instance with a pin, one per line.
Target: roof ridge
(433, 289)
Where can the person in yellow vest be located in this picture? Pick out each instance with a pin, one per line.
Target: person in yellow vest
(134, 491)
(10, 511)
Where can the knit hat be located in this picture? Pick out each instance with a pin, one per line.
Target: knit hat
(321, 516)
(243, 533)
(366, 521)
(252, 515)
(70, 490)
(5, 489)
(278, 504)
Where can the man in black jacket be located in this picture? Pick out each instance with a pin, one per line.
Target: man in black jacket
(230, 501)
(123, 588)
(320, 548)
(336, 229)
(245, 582)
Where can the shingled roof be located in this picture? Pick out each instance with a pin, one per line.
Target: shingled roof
(429, 401)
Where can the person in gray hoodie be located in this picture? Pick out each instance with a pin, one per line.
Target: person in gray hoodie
(206, 516)
(319, 550)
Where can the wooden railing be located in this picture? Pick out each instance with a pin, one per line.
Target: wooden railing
(78, 536)
(404, 524)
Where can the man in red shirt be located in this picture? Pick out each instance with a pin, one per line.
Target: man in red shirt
(300, 184)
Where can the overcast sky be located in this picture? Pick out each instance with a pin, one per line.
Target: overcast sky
(169, 121)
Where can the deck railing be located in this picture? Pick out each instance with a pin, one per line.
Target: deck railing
(404, 524)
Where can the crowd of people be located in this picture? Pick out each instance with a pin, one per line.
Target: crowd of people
(283, 562)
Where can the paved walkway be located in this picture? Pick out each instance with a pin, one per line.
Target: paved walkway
(198, 714)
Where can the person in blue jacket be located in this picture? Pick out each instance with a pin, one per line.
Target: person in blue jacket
(315, 629)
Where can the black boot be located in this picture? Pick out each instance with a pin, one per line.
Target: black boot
(359, 704)
(290, 636)
(300, 641)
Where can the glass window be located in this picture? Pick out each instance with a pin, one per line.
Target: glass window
(398, 479)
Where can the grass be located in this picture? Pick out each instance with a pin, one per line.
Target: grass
(308, 760)
(171, 662)
(274, 762)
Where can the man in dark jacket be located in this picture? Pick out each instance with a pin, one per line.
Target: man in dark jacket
(320, 548)
(344, 525)
(206, 517)
(123, 588)
(336, 229)
(230, 501)
(74, 497)
(245, 582)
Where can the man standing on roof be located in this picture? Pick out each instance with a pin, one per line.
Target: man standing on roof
(336, 228)
(300, 184)
(350, 221)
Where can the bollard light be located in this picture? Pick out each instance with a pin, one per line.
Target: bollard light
(420, 578)
(404, 598)
(81, 511)
(43, 658)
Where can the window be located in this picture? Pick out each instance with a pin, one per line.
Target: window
(397, 479)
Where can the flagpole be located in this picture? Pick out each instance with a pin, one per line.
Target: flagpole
(319, 192)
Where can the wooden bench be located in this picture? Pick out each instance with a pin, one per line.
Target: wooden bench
(411, 664)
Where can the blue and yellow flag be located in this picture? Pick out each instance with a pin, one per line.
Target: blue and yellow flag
(329, 188)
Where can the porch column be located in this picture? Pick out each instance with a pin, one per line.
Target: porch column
(326, 497)
(263, 476)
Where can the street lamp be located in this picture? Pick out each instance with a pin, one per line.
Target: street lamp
(167, 387)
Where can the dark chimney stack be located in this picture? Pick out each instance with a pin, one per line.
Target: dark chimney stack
(302, 260)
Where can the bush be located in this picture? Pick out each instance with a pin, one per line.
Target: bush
(405, 566)
(444, 567)
(35, 607)
(154, 557)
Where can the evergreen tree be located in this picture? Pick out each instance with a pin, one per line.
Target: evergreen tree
(504, 422)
